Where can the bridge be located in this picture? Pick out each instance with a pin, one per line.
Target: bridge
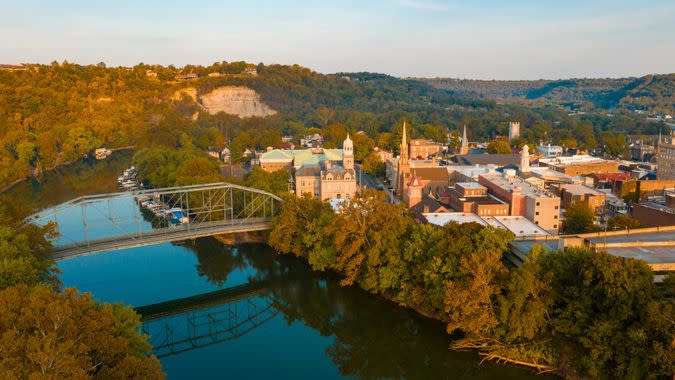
(107, 222)
(190, 323)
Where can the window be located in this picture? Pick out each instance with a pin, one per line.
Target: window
(555, 216)
(555, 226)
(538, 204)
(556, 207)
(536, 213)
(536, 222)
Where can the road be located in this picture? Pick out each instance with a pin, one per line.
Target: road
(368, 181)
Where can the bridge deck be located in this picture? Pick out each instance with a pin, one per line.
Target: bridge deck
(164, 235)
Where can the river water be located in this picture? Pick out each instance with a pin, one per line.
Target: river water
(246, 312)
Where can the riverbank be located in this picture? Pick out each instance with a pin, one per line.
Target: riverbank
(60, 165)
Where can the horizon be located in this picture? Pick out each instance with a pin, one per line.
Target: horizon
(344, 72)
(524, 40)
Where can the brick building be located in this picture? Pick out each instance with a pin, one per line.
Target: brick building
(473, 197)
(524, 198)
(423, 148)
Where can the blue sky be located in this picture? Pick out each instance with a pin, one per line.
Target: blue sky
(509, 39)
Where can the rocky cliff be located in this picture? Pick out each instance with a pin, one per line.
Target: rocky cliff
(235, 100)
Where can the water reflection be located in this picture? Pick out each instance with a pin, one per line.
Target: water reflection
(371, 337)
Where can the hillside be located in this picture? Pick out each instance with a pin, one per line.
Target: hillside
(653, 93)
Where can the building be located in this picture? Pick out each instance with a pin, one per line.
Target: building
(580, 165)
(499, 160)
(186, 76)
(464, 145)
(403, 172)
(311, 141)
(423, 148)
(514, 130)
(639, 151)
(525, 199)
(550, 151)
(573, 193)
(521, 227)
(472, 197)
(654, 245)
(609, 180)
(665, 156)
(324, 177)
(383, 154)
(653, 214)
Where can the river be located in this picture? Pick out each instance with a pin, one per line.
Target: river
(272, 317)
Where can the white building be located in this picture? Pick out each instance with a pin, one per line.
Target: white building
(550, 151)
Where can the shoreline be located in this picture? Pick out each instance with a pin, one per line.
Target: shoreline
(11, 185)
(480, 349)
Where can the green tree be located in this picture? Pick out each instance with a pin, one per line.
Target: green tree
(499, 147)
(363, 146)
(25, 255)
(373, 165)
(579, 219)
(622, 222)
(275, 182)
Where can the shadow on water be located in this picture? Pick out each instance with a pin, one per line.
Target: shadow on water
(246, 312)
(371, 338)
(83, 177)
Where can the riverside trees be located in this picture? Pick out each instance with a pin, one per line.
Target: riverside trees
(584, 313)
(45, 333)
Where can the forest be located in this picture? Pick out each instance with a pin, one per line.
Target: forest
(576, 313)
(651, 93)
(55, 114)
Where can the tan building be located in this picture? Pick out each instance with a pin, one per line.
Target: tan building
(524, 198)
(665, 157)
(580, 165)
(423, 148)
(328, 179)
(573, 193)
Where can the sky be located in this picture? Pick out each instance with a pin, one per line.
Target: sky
(489, 39)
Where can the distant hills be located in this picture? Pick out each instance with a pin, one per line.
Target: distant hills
(650, 93)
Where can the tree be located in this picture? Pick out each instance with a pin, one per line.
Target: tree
(498, 147)
(615, 144)
(599, 302)
(373, 165)
(622, 222)
(363, 146)
(70, 336)
(367, 231)
(25, 255)
(579, 219)
(470, 295)
(274, 182)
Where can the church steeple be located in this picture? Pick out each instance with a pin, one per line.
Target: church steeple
(464, 147)
(348, 153)
(404, 145)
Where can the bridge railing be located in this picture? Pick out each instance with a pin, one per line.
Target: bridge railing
(144, 216)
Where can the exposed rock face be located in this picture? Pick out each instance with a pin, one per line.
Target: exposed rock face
(235, 100)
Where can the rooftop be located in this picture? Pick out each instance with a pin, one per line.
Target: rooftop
(582, 159)
(484, 159)
(518, 225)
(443, 218)
(470, 185)
(513, 183)
(577, 189)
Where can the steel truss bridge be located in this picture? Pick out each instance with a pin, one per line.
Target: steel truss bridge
(193, 322)
(108, 222)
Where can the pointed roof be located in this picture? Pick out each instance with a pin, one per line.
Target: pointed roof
(414, 182)
(464, 147)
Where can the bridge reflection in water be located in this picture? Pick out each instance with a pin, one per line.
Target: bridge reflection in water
(106, 222)
(190, 323)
